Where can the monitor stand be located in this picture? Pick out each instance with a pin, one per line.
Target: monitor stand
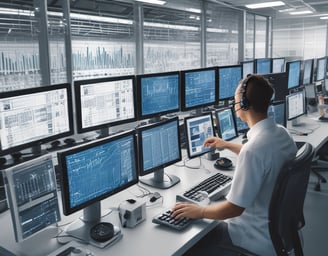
(81, 227)
(159, 181)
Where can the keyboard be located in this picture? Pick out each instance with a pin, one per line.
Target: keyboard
(215, 187)
(165, 218)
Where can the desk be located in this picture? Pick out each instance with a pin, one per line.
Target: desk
(147, 238)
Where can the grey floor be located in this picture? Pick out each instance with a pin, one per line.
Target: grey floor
(315, 232)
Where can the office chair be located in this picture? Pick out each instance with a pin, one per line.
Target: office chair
(320, 163)
(286, 206)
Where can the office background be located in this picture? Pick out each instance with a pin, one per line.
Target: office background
(50, 42)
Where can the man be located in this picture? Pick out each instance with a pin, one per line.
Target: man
(259, 161)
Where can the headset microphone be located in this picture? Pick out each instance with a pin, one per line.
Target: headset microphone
(237, 110)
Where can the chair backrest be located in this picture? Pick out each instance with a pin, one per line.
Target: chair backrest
(286, 206)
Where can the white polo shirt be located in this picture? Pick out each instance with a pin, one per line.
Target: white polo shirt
(269, 146)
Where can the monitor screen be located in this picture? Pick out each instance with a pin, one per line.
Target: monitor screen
(92, 172)
(277, 110)
(159, 147)
(198, 129)
(279, 82)
(263, 66)
(158, 94)
(226, 122)
(278, 65)
(248, 67)
(242, 127)
(229, 78)
(33, 116)
(295, 104)
(321, 69)
(198, 88)
(103, 102)
(307, 71)
(32, 196)
(293, 70)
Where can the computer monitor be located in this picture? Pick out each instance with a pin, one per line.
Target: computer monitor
(293, 69)
(92, 172)
(242, 127)
(226, 123)
(248, 67)
(277, 110)
(158, 94)
(104, 102)
(279, 82)
(307, 74)
(263, 66)
(321, 69)
(229, 78)
(278, 65)
(159, 147)
(198, 129)
(295, 105)
(32, 197)
(198, 88)
(33, 116)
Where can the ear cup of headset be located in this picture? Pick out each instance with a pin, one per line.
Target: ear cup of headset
(244, 102)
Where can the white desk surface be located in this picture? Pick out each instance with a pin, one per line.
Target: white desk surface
(147, 238)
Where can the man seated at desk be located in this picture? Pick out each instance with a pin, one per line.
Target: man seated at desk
(259, 161)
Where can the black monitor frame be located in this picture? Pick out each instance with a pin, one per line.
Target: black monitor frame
(158, 180)
(77, 86)
(139, 95)
(256, 64)
(230, 97)
(231, 110)
(246, 62)
(288, 64)
(183, 88)
(324, 59)
(31, 91)
(311, 61)
(278, 59)
(188, 135)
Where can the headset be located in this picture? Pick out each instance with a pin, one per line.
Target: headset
(244, 102)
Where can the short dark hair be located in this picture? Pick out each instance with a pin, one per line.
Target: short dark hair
(259, 93)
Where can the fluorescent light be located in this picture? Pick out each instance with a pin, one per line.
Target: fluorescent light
(79, 16)
(287, 10)
(178, 27)
(264, 5)
(16, 12)
(301, 12)
(160, 2)
(324, 18)
(194, 10)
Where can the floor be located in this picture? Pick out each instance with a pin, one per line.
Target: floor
(316, 219)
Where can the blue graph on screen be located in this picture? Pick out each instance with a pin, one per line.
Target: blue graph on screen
(294, 74)
(99, 170)
(199, 88)
(160, 94)
(263, 66)
(229, 78)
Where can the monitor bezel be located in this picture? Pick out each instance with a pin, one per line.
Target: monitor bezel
(187, 133)
(183, 88)
(287, 104)
(311, 71)
(316, 69)
(256, 65)
(276, 59)
(225, 67)
(299, 75)
(231, 109)
(65, 193)
(77, 88)
(35, 90)
(139, 94)
(140, 130)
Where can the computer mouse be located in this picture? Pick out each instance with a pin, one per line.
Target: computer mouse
(69, 141)
(223, 163)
